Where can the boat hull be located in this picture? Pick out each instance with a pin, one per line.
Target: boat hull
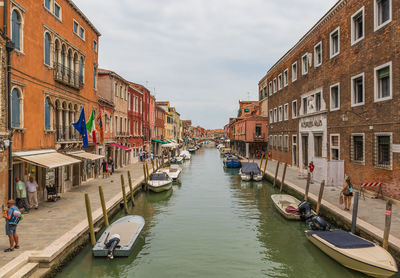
(232, 164)
(160, 186)
(356, 264)
(282, 201)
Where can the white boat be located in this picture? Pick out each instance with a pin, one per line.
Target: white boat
(220, 146)
(192, 149)
(287, 205)
(250, 171)
(159, 182)
(186, 155)
(128, 229)
(354, 252)
(174, 171)
(177, 160)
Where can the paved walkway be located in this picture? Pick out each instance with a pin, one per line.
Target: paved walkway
(370, 210)
(41, 227)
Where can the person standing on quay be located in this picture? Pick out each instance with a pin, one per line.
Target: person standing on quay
(347, 192)
(12, 216)
(32, 187)
(311, 171)
(105, 168)
(21, 194)
(111, 164)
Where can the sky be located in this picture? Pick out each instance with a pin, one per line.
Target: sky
(201, 55)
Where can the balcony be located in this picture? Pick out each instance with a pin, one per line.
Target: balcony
(258, 136)
(67, 134)
(67, 76)
(123, 134)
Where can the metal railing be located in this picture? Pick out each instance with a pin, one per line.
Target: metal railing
(67, 76)
(65, 133)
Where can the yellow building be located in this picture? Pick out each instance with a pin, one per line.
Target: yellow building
(176, 124)
(169, 127)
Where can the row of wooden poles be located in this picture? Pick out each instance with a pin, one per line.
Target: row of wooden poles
(388, 213)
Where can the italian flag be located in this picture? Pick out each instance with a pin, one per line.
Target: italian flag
(90, 127)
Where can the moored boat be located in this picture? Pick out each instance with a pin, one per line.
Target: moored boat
(177, 160)
(159, 182)
(186, 155)
(173, 171)
(287, 205)
(231, 161)
(119, 238)
(192, 149)
(354, 252)
(250, 171)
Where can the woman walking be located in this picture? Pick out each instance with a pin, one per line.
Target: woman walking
(347, 192)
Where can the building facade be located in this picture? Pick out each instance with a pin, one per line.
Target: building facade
(333, 97)
(135, 113)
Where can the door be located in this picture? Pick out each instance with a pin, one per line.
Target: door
(76, 175)
(305, 149)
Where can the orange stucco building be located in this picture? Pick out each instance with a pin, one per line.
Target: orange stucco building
(54, 75)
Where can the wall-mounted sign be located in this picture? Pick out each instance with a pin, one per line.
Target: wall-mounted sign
(396, 148)
(307, 123)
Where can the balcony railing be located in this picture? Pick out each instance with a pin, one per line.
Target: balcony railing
(258, 136)
(67, 134)
(67, 76)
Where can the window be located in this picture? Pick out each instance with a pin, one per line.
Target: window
(305, 106)
(294, 150)
(286, 77)
(47, 4)
(294, 109)
(95, 46)
(47, 41)
(274, 85)
(294, 71)
(16, 31)
(304, 64)
(286, 112)
(318, 55)
(81, 70)
(46, 114)
(383, 13)
(76, 26)
(279, 143)
(57, 10)
(357, 148)
(15, 109)
(82, 33)
(275, 115)
(286, 143)
(116, 89)
(318, 145)
(383, 82)
(383, 150)
(280, 113)
(270, 88)
(280, 81)
(271, 116)
(94, 77)
(126, 93)
(120, 92)
(317, 101)
(335, 146)
(357, 26)
(335, 43)
(275, 141)
(357, 90)
(335, 97)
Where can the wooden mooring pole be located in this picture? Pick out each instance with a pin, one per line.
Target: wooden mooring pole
(124, 194)
(321, 192)
(283, 177)
(147, 170)
(265, 166)
(144, 173)
(307, 186)
(276, 172)
(152, 165)
(131, 188)
(355, 212)
(388, 221)
(103, 206)
(261, 161)
(90, 219)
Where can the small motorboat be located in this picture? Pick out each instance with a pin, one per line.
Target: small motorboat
(174, 171)
(186, 155)
(159, 181)
(287, 205)
(250, 171)
(177, 160)
(119, 238)
(231, 161)
(354, 252)
(192, 149)
(220, 146)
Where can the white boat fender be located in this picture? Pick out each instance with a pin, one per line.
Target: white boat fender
(111, 244)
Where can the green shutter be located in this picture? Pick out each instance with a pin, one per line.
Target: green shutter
(382, 73)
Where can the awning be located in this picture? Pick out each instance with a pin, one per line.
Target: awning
(172, 141)
(170, 145)
(86, 155)
(159, 141)
(49, 160)
(127, 149)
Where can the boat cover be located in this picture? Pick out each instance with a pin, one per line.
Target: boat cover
(249, 167)
(342, 239)
(159, 177)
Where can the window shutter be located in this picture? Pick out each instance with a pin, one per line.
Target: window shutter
(384, 73)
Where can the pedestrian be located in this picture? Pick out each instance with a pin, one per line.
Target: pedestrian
(152, 156)
(12, 216)
(32, 188)
(347, 192)
(141, 156)
(311, 168)
(105, 168)
(111, 165)
(21, 194)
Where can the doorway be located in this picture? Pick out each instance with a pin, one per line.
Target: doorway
(304, 139)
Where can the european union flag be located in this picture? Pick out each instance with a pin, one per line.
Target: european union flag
(80, 126)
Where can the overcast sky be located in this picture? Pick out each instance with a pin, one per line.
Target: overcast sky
(202, 55)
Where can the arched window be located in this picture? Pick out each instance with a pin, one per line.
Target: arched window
(47, 41)
(46, 114)
(81, 68)
(15, 108)
(16, 23)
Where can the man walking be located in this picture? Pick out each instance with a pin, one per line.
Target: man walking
(32, 187)
(21, 194)
(12, 216)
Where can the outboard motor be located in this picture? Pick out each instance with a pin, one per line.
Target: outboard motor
(317, 223)
(305, 210)
(111, 244)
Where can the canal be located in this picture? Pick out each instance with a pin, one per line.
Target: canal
(212, 225)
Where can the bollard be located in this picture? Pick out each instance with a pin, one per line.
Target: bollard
(144, 173)
(355, 212)
(124, 194)
(265, 166)
(388, 220)
(90, 219)
(307, 186)
(147, 170)
(276, 172)
(283, 176)
(261, 161)
(131, 188)
(321, 192)
(103, 206)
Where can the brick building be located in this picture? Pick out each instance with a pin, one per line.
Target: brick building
(135, 113)
(334, 96)
(159, 131)
(146, 115)
(4, 131)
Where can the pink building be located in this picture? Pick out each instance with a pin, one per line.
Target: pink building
(152, 121)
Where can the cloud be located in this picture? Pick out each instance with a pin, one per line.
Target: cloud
(202, 55)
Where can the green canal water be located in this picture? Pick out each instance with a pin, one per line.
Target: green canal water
(212, 225)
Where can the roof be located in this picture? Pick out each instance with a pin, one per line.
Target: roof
(75, 7)
(111, 73)
(106, 101)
